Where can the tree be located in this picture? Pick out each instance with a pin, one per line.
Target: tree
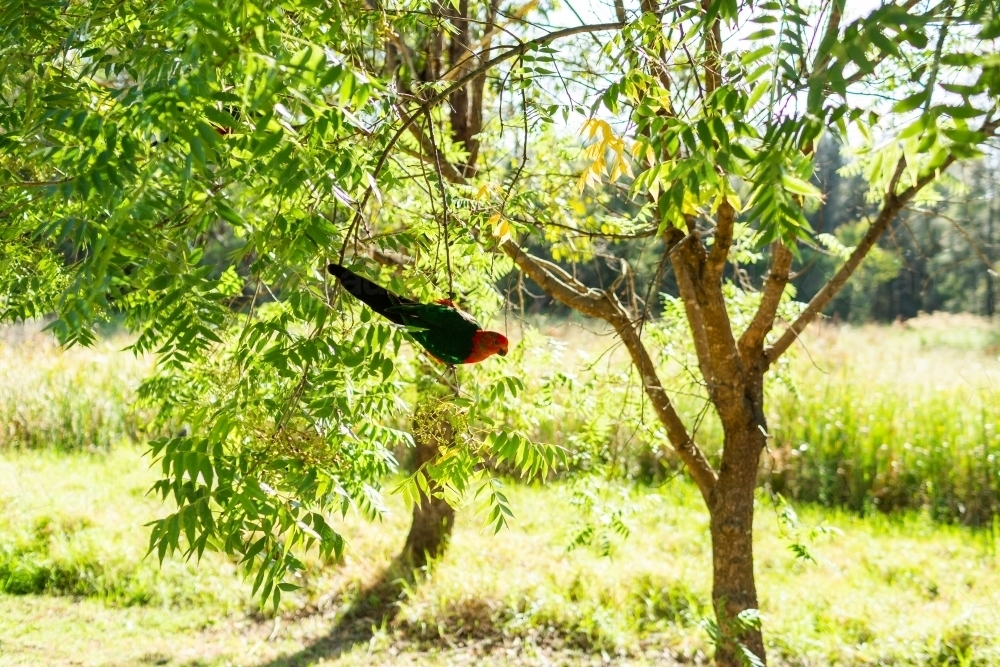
(192, 169)
(134, 137)
(699, 128)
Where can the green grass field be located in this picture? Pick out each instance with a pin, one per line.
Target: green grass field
(911, 587)
(887, 590)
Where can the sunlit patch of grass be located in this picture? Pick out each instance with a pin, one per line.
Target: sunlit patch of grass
(894, 417)
(74, 524)
(885, 591)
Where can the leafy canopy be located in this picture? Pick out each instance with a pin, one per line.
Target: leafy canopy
(193, 166)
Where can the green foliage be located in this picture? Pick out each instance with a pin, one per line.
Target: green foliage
(601, 515)
(260, 482)
(32, 278)
(191, 167)
(690, 147)
(478, 437)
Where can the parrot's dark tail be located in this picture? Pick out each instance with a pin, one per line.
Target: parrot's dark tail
(377, 297)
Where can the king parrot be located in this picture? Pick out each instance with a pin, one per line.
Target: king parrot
(450, 335)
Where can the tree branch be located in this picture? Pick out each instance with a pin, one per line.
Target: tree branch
(620, 10)
(390, 257)
(692, 456)
(513, 52)
(594, 303)
(724, 221)
(684, 267)
(713, 49)
(492, 30)
(429, 151)
(829, 36)
(559, 284)
(752, 341)
(890, 207)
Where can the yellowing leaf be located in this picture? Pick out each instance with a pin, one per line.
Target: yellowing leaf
(726, 191)
(734, 201)
(717, 201)
(689, 206)
(501, 228)
(597, 154)
(616, 171)
(592, 125)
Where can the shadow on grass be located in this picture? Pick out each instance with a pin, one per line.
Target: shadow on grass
(375, 606)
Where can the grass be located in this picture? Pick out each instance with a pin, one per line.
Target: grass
(885, 591)
(72, 399)
(75, 525)
(890, 418)
(900, 419)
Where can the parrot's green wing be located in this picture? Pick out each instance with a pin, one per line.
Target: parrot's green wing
(435, 316)
(444, 331)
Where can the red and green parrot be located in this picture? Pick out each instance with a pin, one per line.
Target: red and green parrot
(450, 335)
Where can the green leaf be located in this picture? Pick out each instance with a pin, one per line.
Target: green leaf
(267, 143)
(758, 92)
(991, 30)
(799, 187)
(755, 55)
(910, 103)
(308, 58)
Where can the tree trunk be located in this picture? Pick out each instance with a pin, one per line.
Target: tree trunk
(733, 588)
(433, 517)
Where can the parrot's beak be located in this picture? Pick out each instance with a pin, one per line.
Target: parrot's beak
(502, 353)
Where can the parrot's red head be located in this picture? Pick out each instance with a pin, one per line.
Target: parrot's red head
(485, 344)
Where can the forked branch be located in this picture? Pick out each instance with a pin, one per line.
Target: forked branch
(604, 305)
(891, 206)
